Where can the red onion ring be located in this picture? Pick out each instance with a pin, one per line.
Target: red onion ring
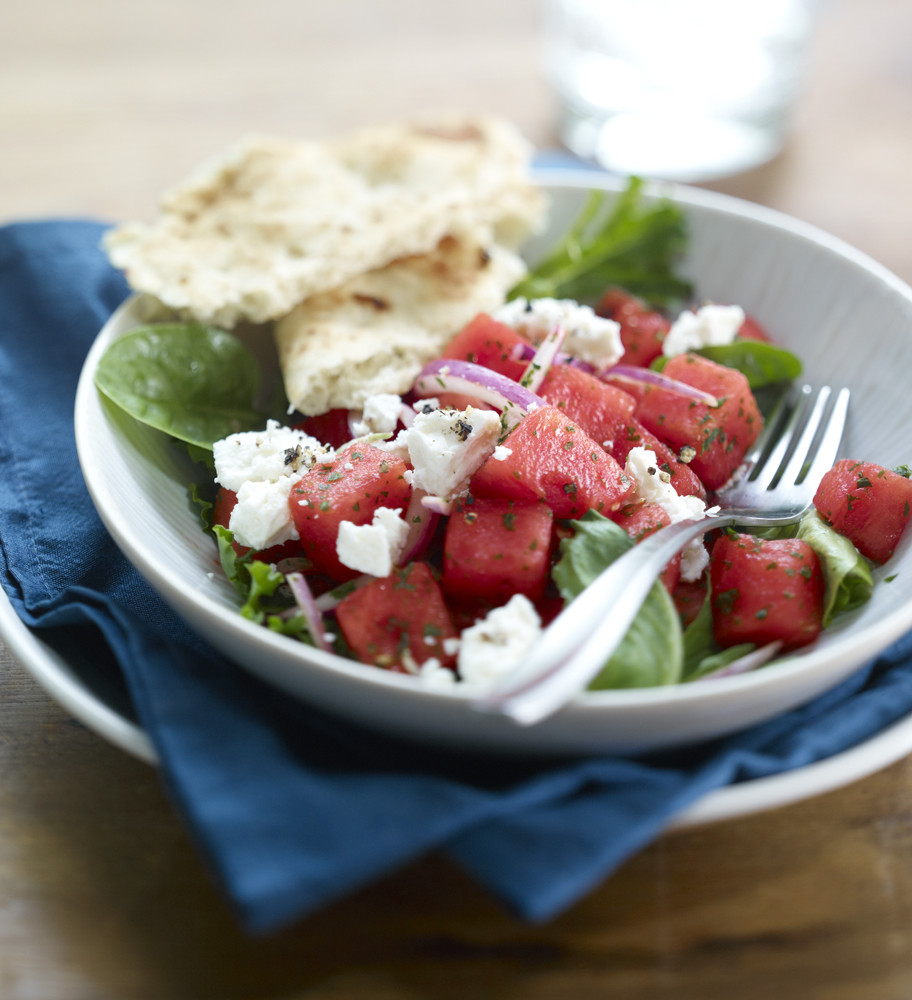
(468, 379)
(646, 376)
(525, 352)
(406, 415)
(329, 601)
(750, 661)
(542, 360)
(305, 601)
(437, 505)
(421, 520)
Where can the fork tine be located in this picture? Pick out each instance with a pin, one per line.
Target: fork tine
(824, 455)
(769, 472)
(772, 430)
(794, 466)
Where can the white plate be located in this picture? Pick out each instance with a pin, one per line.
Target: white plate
(848, 318)
(98, 703)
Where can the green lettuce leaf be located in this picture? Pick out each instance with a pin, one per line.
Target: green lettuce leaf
(254, 580)
(193, 382)
(702, 654)
(651, 653)
(846, 572)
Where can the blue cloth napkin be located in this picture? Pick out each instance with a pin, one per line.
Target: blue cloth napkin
(291, 807)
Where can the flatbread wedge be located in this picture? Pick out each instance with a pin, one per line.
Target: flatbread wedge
(273, 221)
(374, 333)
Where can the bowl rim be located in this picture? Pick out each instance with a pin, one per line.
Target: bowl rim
(707, 691)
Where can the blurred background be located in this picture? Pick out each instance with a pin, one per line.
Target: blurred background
(103, 104)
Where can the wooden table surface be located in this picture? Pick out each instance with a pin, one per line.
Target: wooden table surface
(102, 896)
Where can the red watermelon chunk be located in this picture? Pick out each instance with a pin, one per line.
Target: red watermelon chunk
(552, 459)
(640, 520)
(349, 488)
(642, 329)
(398, 621)
(490, 343)
(598, 408)
(496, 548)
(720, 434)
(868, 504)
(765, 590)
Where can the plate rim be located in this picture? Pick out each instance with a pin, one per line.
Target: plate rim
(51, 672)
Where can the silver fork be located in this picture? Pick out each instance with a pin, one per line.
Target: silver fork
(774, 485)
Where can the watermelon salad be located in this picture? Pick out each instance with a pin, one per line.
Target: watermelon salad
(438, 532)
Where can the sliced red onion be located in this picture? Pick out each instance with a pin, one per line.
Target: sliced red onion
(750, 661)
(331, 599)
(468, 379)
(305, 600)
(421, 521)
(646, 376)
(438, 505)
(525, 352)
(406, 415)
(541, 361)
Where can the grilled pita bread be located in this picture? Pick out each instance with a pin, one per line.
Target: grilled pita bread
(274, 221)
(374, 333)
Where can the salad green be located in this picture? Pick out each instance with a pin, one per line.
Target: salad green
(195, 383)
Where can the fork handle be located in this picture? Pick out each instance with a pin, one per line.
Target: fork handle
(578, 643)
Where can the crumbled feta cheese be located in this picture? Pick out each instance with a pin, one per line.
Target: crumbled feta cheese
(434, 674)
(495, 645)
(379, 415)
(588, 336)
(426, 405)
(265, 456)
(502, 453)
(653, 485)
(372, 548)
(709, 326)
(397, 446)
(261, 517)
(446, 447)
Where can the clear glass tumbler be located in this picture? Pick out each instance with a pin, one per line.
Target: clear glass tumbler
(687, 90)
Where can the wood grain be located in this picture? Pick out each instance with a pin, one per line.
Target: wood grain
(102, 893)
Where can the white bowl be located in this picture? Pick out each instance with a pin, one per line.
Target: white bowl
(848, 318)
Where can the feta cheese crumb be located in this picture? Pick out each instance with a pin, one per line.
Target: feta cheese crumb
(380, 415)
(655, 486)
(445, 447)
(261, 517)
(502, 453)
(434, 674)
(589, 337)
(372, 548)
(709, 326)
(266, 456)
(397, 446)
(495, 645)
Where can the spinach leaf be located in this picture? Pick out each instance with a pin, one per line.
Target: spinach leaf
(625, 243)
(845, 570)
(763, 363)
(651, 652)
(193, 382)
